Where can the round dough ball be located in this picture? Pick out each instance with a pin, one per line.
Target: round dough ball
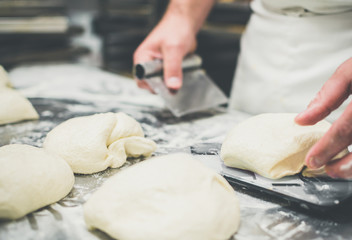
(93, 143)
(170, 197)
(31, 178)
(14, 107)
(271, 144)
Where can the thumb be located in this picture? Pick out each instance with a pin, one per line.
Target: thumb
(172, 60)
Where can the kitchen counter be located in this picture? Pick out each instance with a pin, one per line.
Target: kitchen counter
(63, 91)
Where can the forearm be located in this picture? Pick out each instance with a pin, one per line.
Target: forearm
(193, 11)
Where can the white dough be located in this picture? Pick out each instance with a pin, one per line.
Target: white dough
(14, 107)
(271, 144)
(93, 143)
(31, 178)
(4, 78)
(171, 197)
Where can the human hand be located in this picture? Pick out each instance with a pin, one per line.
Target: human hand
(171, 40)
(334, 92)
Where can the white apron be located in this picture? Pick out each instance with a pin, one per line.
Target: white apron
(289, 49)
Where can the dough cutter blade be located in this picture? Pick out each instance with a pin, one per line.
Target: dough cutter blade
(197, 93)
(321, 194)
(315, 193)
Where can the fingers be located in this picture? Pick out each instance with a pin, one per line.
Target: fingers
(336, 139)
(339, 136)
(331, 96)
(171, 45)
(341, 168)
(173, 55)
(144, 55)
(172, 61)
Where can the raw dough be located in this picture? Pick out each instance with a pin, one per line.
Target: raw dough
(170, 197)
(4, 78)
(93, 143)
(271, 144)
(31, 178)
(14, 107)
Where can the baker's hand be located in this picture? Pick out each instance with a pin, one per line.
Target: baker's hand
(171, 40)
(334, 92)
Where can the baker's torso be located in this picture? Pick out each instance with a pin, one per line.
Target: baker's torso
(288, 51)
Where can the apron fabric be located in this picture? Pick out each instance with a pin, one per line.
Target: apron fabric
(289, 52)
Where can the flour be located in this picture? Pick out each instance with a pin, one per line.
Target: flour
(79, 82)
(201, 131)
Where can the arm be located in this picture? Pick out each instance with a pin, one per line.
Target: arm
(334, 92)
(173, 38)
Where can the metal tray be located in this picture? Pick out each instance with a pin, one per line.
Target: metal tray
(311, 193)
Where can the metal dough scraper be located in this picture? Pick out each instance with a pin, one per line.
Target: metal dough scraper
(318, 194)
(198, 91)
(310, 193)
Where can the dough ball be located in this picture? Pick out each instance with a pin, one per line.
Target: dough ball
(271, 144)
(4, 78)
(93, 143)
(14, 107)
(31, 178)
(170, 197)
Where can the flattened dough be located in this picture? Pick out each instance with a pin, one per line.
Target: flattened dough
(271, 144)
(31, 178)
(93, 143)
(14, 107)
(170, 197)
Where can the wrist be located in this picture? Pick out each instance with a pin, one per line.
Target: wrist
(188, 13)
(180, 21)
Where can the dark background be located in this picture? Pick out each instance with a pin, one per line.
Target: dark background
(105, 33)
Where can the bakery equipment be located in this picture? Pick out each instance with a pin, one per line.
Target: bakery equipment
(198, 91)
